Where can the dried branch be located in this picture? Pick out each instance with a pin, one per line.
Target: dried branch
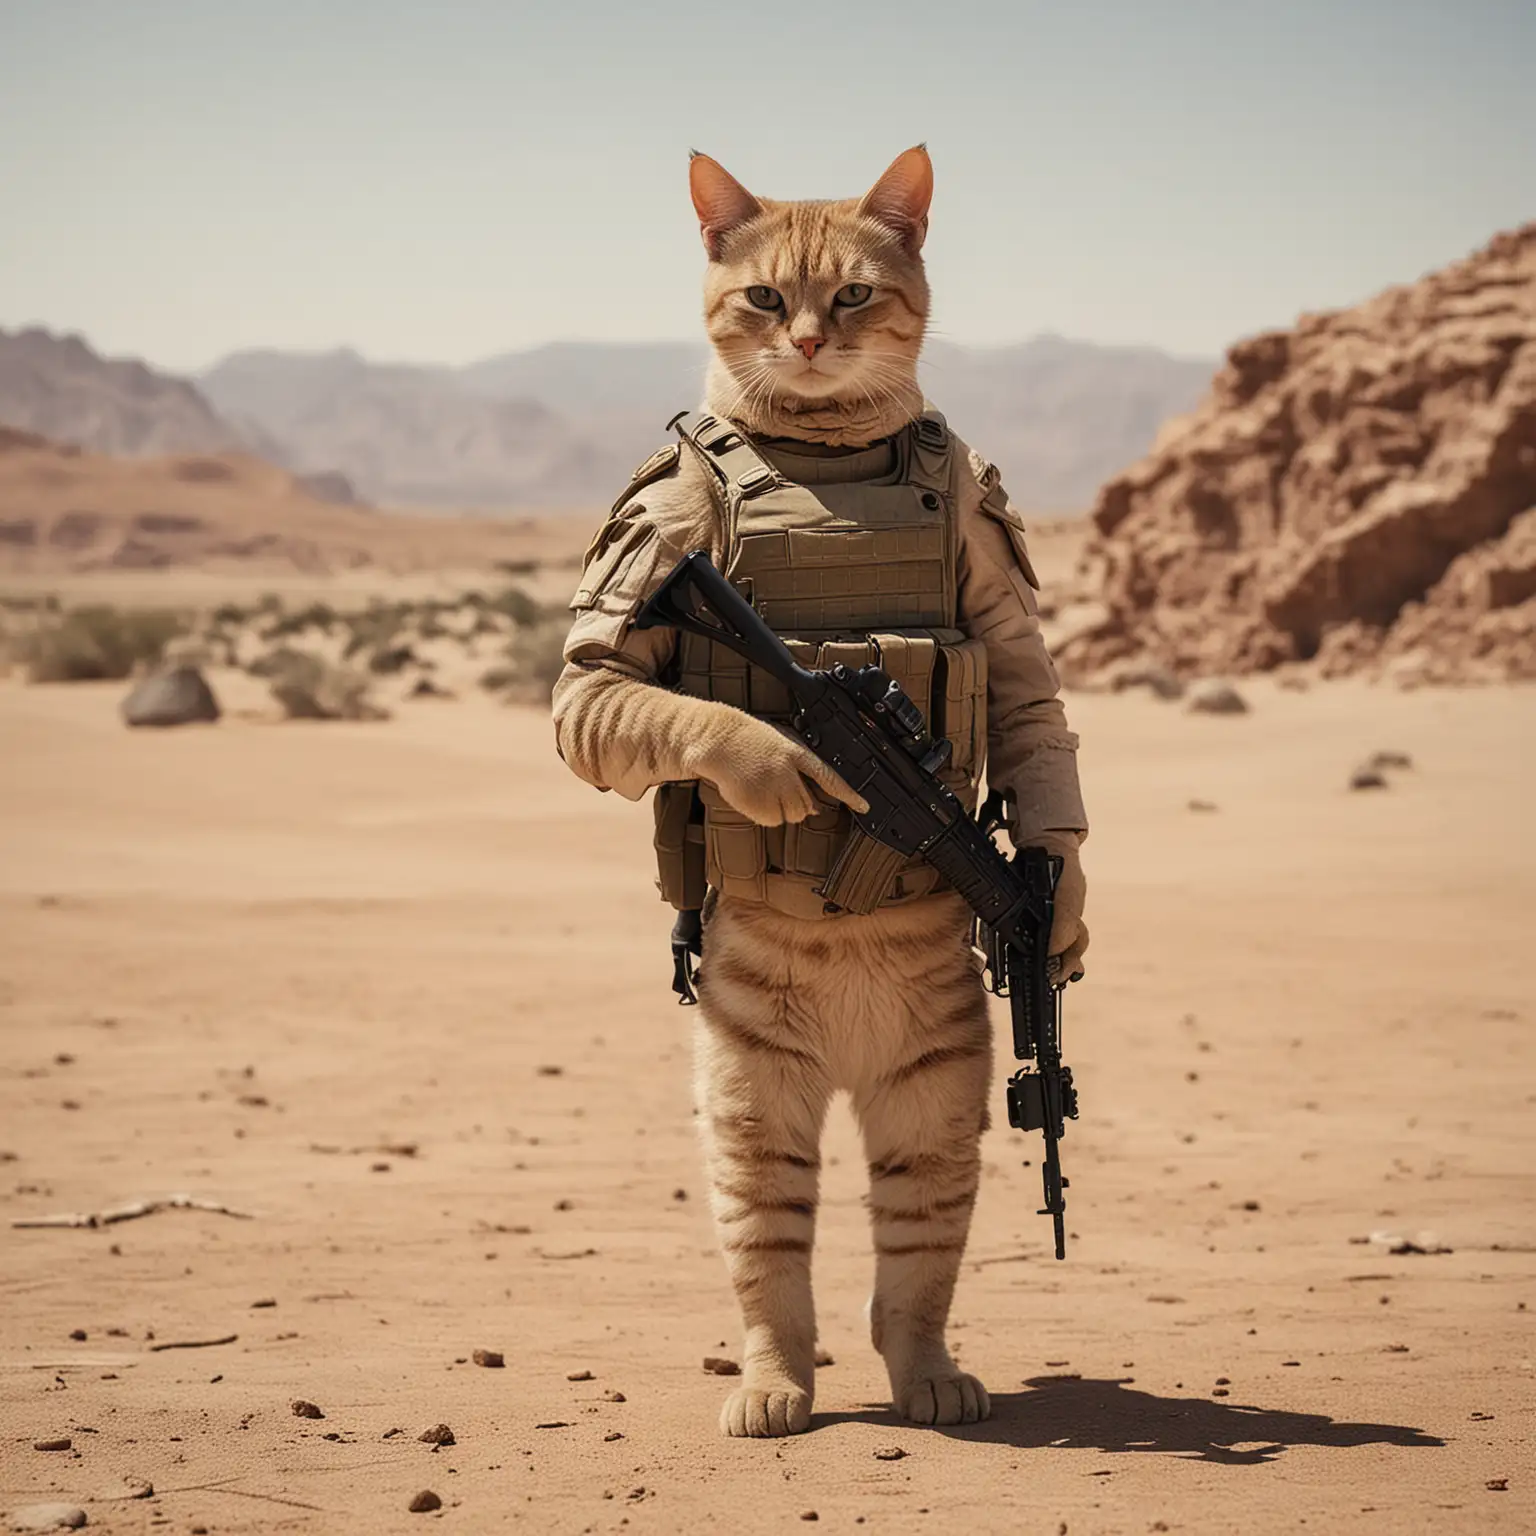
(130, 1212)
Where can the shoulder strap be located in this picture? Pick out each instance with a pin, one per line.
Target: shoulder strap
(930, 450)
(738, 469)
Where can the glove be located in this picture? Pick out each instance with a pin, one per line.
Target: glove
(762, 772)
(1069, 934)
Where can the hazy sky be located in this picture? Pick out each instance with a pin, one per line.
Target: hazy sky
(446, 180)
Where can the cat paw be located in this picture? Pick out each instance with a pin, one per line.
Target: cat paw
(762, 1413)
(957, 1399)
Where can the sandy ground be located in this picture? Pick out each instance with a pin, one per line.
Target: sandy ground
(400, 992)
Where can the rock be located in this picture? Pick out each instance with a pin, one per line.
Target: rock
(48, 1517)
(1357, 494)
(889, 1453)
(305, 1410)
(439, 1434)
(179, 696)
(424, 1502)
(578, 1375)
(79, 1335)
(1366, 777)
(490, 1358)
(63, 1443)
(823, 1358)
(717, 1366)
(1215, 696)
(614, 1397)
(1160, 681)
(1382, 761)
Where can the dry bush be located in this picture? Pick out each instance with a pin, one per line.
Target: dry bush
(97, 642)
(308, 687)
(533, 661)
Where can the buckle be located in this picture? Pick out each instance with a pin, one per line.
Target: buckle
(756, 479)
(931, 433)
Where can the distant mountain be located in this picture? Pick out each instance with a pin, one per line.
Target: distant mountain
(58, 387)
(562, 425)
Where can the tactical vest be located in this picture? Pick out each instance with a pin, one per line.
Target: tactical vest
(855, 573)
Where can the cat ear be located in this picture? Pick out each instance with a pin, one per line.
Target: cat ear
(900, 198)
(720, 201)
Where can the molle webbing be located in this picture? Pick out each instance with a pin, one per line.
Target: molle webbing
(860, 573)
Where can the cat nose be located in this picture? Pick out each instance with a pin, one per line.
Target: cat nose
(811, 345)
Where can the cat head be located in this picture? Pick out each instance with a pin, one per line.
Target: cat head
(815, 310)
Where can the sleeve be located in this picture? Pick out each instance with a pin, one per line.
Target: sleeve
(1031, 753)
(615, 726)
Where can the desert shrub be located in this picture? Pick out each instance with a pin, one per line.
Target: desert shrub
(533, 662)
(308, 687)
(376, 627)
(392, 658)
(515, 604)
(319, 616)
(98, 642)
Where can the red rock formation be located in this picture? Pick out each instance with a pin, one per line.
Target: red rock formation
(1348, 491)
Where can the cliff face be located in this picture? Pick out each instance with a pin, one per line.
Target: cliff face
(1349, 492)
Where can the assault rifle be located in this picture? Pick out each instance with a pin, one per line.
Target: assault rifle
(862, 723)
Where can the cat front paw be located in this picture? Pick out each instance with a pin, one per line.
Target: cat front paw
(762, 1413)
(949, 1399)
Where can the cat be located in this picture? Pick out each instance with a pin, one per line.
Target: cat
(816, 313)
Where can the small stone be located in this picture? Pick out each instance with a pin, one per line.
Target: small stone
(179, 696)
(578, 1375)
(551, 1071)
(424, 1502)
(809, 1514)
(1497, 1485)
(1223, 1381)
(679, 1194)
(1366, 777)
(266, 1301)
(565, 1205)
(304, 1410)
(614, 1397)
(63, 1443)
(1158, 680)
(491, 1359)
(439, 1434)
(1215, 696)
(48, 1517)
(1220, 1392)
(138, 1488)
(1250, 1205)
(717, 1366)
(823, 1358)
(613, 1435)
(889, 1453)
(79, 1335)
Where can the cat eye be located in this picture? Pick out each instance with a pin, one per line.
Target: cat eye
(763, 297)
(851, 295)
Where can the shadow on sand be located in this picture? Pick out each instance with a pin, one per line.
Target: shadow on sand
(1071, 1413)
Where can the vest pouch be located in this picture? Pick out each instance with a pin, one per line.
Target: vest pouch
(735, 849)
(680, 862)
(960, 707)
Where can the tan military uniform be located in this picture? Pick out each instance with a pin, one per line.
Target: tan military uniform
(906, 553)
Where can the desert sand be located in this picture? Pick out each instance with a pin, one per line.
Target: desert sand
(399, 992)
